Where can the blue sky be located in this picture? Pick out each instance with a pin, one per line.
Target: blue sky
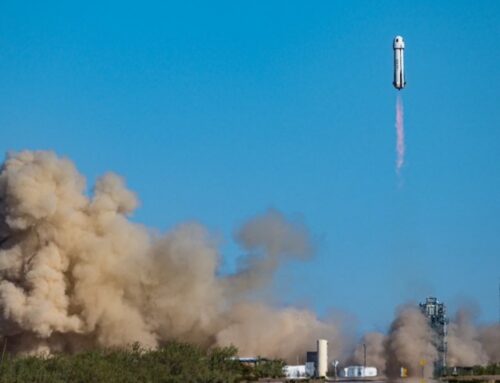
(216, 111)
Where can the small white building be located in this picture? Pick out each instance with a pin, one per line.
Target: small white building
(358, 372)
(295, 372)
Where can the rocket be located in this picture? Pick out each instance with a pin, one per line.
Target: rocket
(399, 63)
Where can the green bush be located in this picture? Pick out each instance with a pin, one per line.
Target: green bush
(490, 369)
(269, 369)
(173, 363)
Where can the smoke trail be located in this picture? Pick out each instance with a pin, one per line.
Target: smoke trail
(400, 134)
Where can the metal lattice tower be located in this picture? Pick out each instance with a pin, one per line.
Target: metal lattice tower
(435, 312)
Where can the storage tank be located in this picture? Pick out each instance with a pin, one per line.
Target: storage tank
(322, 358)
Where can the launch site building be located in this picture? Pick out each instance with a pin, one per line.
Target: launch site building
(435, 312)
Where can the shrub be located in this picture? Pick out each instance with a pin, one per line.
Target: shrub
(174, 362)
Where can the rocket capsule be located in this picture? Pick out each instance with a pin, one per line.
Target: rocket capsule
(399, 63)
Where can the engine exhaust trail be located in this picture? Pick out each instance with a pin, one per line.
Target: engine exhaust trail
(400, 134)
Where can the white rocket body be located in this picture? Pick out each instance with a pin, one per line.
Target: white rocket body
(399, 63)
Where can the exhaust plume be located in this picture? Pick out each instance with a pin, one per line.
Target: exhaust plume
(76, 273)
(400, 134)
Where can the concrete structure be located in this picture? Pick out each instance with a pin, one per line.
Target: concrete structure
(322, 368)
(435, 312)
(317, 361)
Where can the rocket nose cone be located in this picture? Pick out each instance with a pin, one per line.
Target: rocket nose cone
(398, 42)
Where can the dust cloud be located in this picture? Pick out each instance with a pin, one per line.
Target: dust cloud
(76, 272)
(411, 339)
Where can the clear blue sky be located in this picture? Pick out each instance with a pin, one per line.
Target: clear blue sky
(215, 111)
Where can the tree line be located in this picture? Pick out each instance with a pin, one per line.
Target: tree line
(174, 362)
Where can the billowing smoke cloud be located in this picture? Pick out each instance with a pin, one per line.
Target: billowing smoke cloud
(268, 239)
(464, 345)
(287, 331)
(375, 344)
(410, 340)
(76, 273)
(489, 336)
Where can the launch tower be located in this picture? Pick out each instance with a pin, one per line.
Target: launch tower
(435, 312)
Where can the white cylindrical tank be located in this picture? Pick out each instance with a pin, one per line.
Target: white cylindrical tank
(322, 358)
